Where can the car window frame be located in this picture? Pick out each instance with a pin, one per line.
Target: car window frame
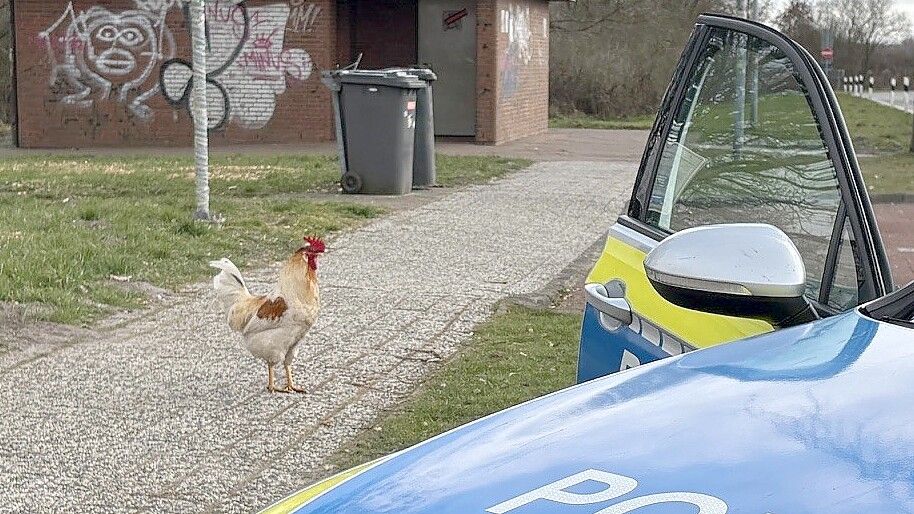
(872, 258)
(888, 308)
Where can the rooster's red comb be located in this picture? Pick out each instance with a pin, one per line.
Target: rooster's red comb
(315, 244)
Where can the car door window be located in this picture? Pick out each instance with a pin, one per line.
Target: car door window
(844, 288)
(745, 146)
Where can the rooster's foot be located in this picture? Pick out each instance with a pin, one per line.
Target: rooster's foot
(290, 382)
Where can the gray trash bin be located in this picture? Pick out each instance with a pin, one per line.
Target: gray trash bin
(424, 171)
(376, 121)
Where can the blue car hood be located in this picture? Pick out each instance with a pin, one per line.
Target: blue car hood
(813, 419)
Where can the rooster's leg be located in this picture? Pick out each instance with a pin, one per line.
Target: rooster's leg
(271, 383)
(290, 384)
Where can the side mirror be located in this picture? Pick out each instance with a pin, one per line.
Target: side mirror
(747, 270)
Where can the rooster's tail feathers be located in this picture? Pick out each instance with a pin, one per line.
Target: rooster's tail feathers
(228, 283)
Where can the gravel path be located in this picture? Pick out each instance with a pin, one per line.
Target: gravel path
(168, 413)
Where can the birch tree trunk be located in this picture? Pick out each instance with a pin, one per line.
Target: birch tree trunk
(198, 109)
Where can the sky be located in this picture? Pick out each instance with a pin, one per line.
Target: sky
(906, 6)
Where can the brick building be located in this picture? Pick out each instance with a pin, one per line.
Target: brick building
(117, 72)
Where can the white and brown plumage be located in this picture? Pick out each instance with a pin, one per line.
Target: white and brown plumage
(274, 324)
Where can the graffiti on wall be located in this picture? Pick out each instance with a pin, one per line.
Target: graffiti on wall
(99, 55)
(515, 24)
(303, 16)
(247, 64)
(129, 56)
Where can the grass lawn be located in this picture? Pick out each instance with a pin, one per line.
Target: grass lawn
(885, 134)
(892, 173)
(875, 128)
(641, 122)
(464, 170)
(71, 223)
(515, 356)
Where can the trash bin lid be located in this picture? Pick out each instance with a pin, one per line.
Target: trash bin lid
(425, 74)
(391, 78)
(332, 79)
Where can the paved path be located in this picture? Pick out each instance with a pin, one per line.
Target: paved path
(895, 225)
(168, 413)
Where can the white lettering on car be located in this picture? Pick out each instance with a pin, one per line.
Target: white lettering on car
(629, 360)
(616, 486)
(706, 504)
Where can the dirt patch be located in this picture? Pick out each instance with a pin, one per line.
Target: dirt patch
(151, 292)
(393, 203)
(22, 332)
(24, 335)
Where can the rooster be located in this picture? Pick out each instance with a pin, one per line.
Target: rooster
(274, 324)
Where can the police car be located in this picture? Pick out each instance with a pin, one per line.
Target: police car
(809, 419)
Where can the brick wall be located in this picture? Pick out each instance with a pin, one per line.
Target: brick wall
(114, 72)
(513, 91)
(486, 70)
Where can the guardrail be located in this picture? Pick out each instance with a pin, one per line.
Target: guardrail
(898, 96)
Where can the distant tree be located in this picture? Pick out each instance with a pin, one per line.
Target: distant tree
(797, 20)
(614, 58)
(593, 15)
(866, 24)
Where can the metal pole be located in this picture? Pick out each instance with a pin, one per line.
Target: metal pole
(907, 86)
(739, 114)
(753, 77)
(198, 109)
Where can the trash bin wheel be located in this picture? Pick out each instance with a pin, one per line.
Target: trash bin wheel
(351, 183)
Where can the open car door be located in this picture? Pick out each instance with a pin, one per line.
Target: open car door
(749, 132)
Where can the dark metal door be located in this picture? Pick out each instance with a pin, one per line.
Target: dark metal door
(447, 42)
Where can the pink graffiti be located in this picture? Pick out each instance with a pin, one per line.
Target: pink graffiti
(262, 62)
(64, 43)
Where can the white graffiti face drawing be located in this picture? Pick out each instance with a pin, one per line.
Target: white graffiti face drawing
(113, 44)
(105, 52)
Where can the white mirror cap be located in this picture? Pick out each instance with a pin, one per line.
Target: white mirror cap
(746, 259)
